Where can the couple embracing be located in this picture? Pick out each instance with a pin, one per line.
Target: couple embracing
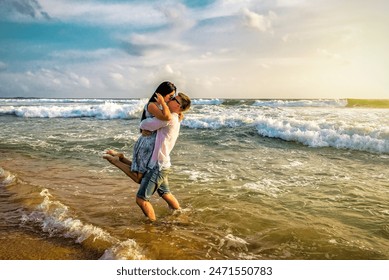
(150, 164)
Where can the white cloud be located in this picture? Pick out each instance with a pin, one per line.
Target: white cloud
(257, 21)
(290, 3)
(169, 69)
(178, 16)
(81, 81)
(55, 82)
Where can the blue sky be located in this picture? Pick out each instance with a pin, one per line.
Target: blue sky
(209, 49)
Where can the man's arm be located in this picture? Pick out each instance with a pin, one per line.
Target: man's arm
(152, 124)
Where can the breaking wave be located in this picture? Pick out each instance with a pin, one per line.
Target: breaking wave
(315, 123)
(54, 218)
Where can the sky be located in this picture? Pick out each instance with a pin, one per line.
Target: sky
(288, 49)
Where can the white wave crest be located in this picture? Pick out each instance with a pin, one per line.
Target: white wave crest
(107, 110)
(302, 103)
(207, 101)
(217, 119)
(54, 218)
(6, 178)
(324, 134)
(30, 101)
(126, 250)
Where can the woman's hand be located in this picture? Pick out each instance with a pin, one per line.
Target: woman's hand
(159, 98)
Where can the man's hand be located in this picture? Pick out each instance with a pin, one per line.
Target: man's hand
(146, 132)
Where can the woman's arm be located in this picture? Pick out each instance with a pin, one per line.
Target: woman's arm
(164, 114)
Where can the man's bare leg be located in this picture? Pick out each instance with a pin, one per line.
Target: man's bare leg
(171, 200)
(147, 208)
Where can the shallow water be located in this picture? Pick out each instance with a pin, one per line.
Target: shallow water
(254, 182)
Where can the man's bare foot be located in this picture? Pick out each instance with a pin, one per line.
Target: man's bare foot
(115, 154)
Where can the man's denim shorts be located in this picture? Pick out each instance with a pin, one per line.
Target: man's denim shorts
(154, 180)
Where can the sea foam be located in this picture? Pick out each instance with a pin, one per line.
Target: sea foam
(342, 128)
(106, 110)
(55, 218)
(125, 250)
(207, 101)
(323, 134)
(302, 103)
(6, 178)
(314, 123)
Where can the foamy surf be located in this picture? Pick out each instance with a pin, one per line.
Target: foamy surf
(324, 134)
(310, 130)
(125, 250)
(105, 111)
(302, 103)
(55, 219)
(6, 178)
(314, 123)
(231, 242)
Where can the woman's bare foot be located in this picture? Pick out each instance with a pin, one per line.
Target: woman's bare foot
(115, 154)
(124, 165)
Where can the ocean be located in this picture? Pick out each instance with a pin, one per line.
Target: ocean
(256, 179)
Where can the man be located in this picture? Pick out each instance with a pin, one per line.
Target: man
(155, 178)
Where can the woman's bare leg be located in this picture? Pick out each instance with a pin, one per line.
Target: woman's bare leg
(124, 165)
(120, 155)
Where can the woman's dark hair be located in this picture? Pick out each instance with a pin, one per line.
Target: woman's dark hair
(163, 89)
